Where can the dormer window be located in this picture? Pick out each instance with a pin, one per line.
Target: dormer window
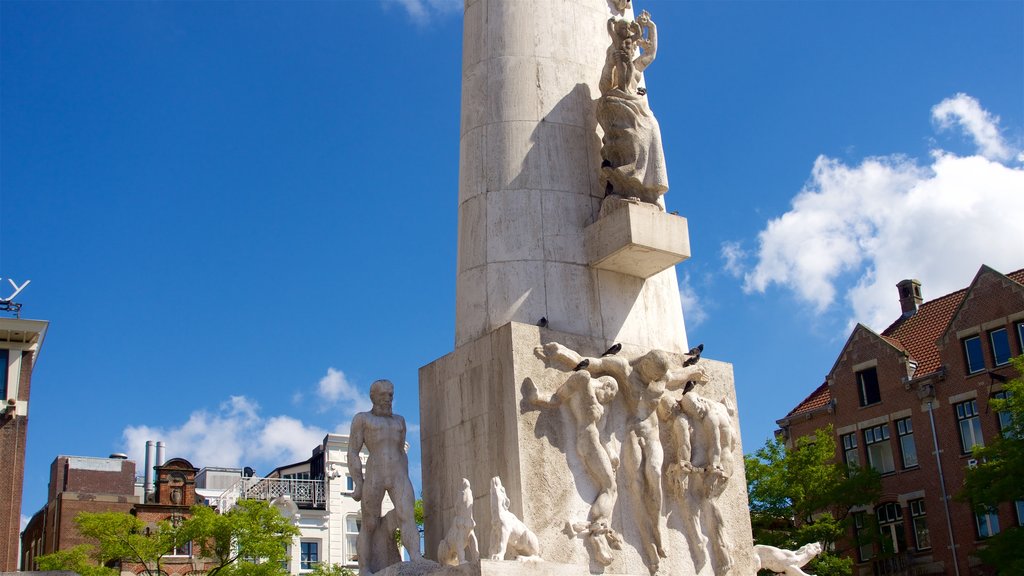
(867, 387)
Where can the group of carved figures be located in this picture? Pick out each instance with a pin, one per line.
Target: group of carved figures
(656, 390)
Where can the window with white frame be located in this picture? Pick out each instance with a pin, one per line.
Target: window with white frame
(850, 450)
(973, 354)
(890, 527)
(862, 535)
(987, 523)
(919, 517)
(352, 527)
(3, 375)
(876, 441)
(908, 450)
(1020, 335)
(970, 426)
(1000, 341)
(867, 387)
(1003, 416)
(309, 554)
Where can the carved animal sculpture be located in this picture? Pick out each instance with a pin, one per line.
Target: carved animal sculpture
(785, 562)
(460, 538)
(507, 531)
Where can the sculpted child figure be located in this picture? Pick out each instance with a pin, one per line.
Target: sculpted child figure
(642, 382)
(387, 470)
(586, 397)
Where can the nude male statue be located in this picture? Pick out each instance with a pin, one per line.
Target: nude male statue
(642, 382)
(387, 470)
(586, 397)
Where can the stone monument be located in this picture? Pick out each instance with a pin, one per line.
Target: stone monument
(571, 377)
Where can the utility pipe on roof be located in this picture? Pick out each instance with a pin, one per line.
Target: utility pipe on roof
(942, 487)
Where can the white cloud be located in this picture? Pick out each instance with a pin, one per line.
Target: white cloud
(423, 11)
(858, 230)
(334, 389)
(235, 435)
(693, 310)
(24, 522)
(733, 254)
(976, 122)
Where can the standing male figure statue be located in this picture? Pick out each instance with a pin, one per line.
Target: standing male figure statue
(387, 470)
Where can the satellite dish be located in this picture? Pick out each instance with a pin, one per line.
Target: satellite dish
(248, 472)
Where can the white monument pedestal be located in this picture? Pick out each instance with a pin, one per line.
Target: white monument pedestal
(476, 425)
(637, 239)
(493, 568)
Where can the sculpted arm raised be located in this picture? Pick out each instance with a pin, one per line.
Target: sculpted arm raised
(649, 45)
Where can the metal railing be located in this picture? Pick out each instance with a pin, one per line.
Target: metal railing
(304, 493)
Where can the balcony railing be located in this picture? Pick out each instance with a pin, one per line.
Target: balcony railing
(305, 493)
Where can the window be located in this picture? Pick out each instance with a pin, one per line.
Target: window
(972, 352)
(970, 426)
(181, 550)
(1020, 336)
(309, 554)
(287, 557)
(876, 440)
(987, 523)
(862, 535)
(867, 387)
(3, 375)
(352, 526)
(908, 450)
(1019, 506)
(850, 450)
(890, 527)
(350, 484)
(922, 541)
(1000, 346)
(1003, 416)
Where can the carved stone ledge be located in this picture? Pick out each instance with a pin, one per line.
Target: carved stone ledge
(638, 240)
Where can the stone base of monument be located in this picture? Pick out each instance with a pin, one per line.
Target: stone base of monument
(476, 424)
(636, 238)
(491, 568)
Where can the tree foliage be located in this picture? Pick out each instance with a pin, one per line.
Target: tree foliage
(804, 495)
(248, 540)
(323, 569)
(997, 477)
(80, 559)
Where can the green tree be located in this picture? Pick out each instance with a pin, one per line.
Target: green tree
(997, 477)
(80, 559)
(248, 540)
(123, 537)
(804, 494)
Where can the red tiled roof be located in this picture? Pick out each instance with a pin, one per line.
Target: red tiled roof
(918, 334)
(819, 398)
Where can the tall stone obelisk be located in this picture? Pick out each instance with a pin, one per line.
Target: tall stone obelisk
(535, 266)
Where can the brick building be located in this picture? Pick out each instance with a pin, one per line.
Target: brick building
(77, 484)
(20, 341)
(925, 381)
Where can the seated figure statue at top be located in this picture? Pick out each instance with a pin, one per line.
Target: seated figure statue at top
(633, 163)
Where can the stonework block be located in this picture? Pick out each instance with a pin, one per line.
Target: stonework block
(637, 240)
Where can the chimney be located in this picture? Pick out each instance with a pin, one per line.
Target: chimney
(910, 296)
(150, 458)
(161, 458)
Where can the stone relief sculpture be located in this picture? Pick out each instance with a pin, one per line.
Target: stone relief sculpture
(702, 433)
(508, 533)
(586, 398)
(633, 162)
(642, 383)
(460, 544)
(387, 470)
(785, 562)
(622, 5)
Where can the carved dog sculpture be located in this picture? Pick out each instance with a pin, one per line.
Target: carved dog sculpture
(460, 538)
(507, 531)
(785, 562)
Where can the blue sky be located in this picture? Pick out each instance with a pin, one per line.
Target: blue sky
(236, 216)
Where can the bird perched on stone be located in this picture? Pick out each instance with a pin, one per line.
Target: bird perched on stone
(613, 350)
(543, 322)
(694, 355)
(582, 365)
